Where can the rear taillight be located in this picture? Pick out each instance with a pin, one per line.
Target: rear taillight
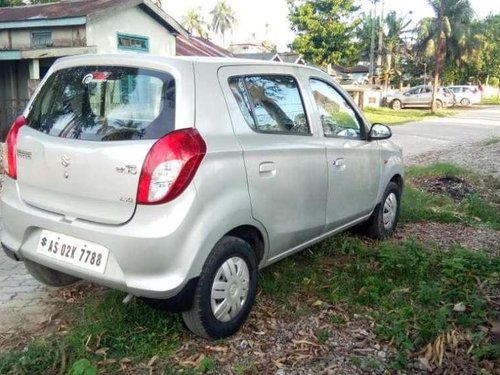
(10, 149)
(170, 166)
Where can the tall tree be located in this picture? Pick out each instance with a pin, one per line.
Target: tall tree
(490, 53)
(326, 30)
(394, 45)
(193, 21)
(447, 35)
(367, 26)
(223, 19)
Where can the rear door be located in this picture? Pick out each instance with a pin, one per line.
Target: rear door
(89, 130)
(284, 159)
(425, 96)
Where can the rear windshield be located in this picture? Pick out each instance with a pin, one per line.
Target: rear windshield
(102, 103)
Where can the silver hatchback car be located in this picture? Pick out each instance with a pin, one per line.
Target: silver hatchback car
(176, 179)
(421, 96)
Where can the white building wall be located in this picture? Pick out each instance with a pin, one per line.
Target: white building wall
(102, 32)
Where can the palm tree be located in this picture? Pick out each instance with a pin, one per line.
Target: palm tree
(223, 19)
(447, 35)
(193, 21)
(394, 45)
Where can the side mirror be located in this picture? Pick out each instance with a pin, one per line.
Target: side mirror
(379, 132)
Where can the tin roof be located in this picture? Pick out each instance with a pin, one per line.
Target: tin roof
(79, 8)
(194, 46)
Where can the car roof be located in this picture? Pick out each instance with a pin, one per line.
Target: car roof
(135, 59)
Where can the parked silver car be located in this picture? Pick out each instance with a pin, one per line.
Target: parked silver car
(421, 96)
(176, 179)
(466, 95)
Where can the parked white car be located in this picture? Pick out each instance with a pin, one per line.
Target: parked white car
(176, 179)
(466, 95)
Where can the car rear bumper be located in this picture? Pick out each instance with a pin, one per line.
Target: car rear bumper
(149, 256)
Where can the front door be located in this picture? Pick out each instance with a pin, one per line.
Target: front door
(353, 163)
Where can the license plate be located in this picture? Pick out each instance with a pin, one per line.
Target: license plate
(84, 254)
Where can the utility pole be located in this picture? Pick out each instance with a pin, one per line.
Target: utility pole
(372, 43)
(439, 56)
(381, 39)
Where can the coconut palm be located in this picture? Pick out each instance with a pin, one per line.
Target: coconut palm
(194, 23)
(394, 46)
(223, 19)
(447, 35)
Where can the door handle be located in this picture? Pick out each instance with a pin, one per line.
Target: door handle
(267, 169)
(339, 164)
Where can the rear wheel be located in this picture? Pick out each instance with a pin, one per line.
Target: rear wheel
(439, 104)
(384, 219)
(49, 276)
(226, 290)
(396, 105)
(465, 102)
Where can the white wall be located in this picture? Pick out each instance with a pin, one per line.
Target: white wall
(62, 36)
(102, 32)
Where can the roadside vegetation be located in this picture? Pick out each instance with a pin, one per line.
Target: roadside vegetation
(493, 100)
(432, 305)
(389, 116)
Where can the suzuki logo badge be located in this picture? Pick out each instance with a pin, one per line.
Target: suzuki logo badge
(65, 161)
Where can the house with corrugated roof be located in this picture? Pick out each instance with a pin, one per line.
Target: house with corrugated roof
(33, 37)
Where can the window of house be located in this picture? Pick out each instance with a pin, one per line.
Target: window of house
(133, 42)
(271, 103)
(41, 39)
(337, 116)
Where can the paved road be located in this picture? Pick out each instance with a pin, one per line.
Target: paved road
(432, 135)
(21, 296)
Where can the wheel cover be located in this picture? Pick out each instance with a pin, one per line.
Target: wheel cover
(390, 211)
(396, 105)
(230, 289)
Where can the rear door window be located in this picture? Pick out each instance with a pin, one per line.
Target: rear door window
(271, 104)
(102, 103)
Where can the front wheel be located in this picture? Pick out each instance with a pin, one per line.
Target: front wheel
(226, 290)
(384, 219)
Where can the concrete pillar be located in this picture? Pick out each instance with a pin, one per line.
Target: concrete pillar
(34, 69)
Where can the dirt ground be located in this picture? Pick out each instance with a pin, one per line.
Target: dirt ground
(481, 157)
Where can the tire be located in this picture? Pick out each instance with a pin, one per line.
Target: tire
(227, 260)
(396, 104)
(439, 104)
(48, 276)
(465, 102)
(378, 226)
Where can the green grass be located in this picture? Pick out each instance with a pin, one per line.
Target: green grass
(408, 289)
(131, 331)
(389, 116)
(491, 141)
(420, 205)
(493, 100)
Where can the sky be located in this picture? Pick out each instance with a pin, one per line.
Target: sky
(255, 24)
